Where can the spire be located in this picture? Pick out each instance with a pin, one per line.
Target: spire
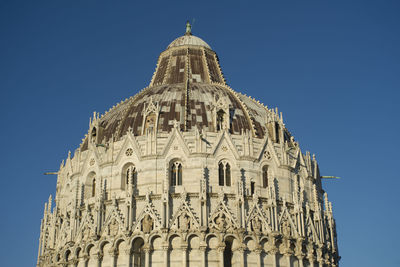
(188, 28)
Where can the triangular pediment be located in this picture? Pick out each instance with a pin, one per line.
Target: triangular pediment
(184, 218)
(267, 153)
(257, 220)
(222, 219)
(176, 144)
(86, 228)
(310, 228)
(286, 223)
(149, 210)
(129, 149)
(225, 145)
(114, 222)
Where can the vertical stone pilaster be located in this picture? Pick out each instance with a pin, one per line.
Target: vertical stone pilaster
(203, 250)
(220, 250)
(301, 263)
(97, 259)
(274, 259)
(258, 253)
(126, 257)
(147, 257)
(242, 255)
(288, 261)
(311, 260)
(184, 256)
(165, 253)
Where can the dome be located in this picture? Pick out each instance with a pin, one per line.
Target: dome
(188, 40)
(187, 89)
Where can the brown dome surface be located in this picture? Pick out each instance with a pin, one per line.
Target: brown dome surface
(188, 88)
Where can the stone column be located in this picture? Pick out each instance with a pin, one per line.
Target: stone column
(113, 255)
(75, 262)
(311, 260)
(274, 260)
(288, 261)
(241, 253)
(97, 259)
(258, 253)
(126, 257)
(301, 264)
(320, 259)
(147, 256)
(85, 259)
(220, 250)
(203, 250)
(184, 255)
(165, 249)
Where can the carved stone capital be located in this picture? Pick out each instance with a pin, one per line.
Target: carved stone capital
(113, 252)
(127, 251)
(203, 248)
(221, 248)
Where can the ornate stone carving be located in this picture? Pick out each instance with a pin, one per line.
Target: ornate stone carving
(147, 224)
(113, 227)
(256, 225)
(220, 222)
(184, 222)
(129, 152)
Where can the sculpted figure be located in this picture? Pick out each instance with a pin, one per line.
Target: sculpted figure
(184, 222)
(256, 223)
(220, 221)
(147, 224)
(286, 228)
(86, 233)
(113, 227)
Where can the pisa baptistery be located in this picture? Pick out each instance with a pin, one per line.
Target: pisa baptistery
(188, 172)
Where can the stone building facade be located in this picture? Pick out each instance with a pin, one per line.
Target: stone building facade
(188, 172)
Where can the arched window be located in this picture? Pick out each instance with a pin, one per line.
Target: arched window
(224, 173)
(94, 134)
(265, 176)
(94, 186)
(176, 173)
(277, 132)
(130, 175)
(252, 188)
(227, 174)
(221, 174)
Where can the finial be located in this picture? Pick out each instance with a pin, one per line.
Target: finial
(188, 28)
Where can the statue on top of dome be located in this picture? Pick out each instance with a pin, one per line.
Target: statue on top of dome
(188, 28)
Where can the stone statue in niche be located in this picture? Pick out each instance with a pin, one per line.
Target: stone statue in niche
(286, 229)
(220, 221)
(309, 234)
(147, 224)
(86, 233)
(256, 225)
(113, 227)
(184, 222)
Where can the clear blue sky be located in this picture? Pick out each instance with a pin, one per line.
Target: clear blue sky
(331, 67)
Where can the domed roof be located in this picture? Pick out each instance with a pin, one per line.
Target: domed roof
(188, 40)
(187, 91)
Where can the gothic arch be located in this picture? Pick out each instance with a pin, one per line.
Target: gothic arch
(128, 176)
(91, 185)
(175, 172)
(224, 173)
